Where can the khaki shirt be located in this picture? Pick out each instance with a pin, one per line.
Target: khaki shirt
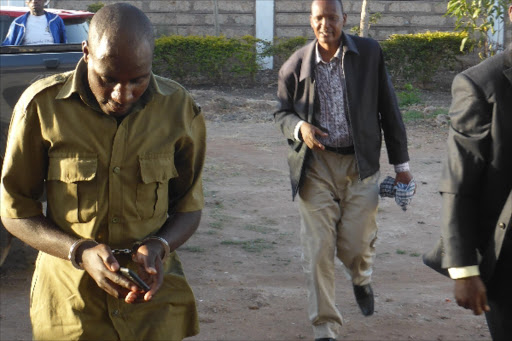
(115, 183)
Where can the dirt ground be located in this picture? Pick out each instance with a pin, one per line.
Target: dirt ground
(244, 262)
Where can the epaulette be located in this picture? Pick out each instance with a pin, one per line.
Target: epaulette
(166, 86)
(40, 85)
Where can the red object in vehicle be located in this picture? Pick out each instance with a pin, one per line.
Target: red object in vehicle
(16, 11)
(76, 22)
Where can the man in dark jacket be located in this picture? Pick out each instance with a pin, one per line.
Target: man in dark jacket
(335, 98)
(36, 27)
(476, 181)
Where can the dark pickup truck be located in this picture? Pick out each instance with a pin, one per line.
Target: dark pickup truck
(21, 66)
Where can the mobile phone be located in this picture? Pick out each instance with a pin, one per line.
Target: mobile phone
(132, 276)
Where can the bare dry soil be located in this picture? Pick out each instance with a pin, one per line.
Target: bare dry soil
(244, 263)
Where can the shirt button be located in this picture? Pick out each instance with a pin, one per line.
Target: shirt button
(502, 226)
(117, 170)
(115, 220)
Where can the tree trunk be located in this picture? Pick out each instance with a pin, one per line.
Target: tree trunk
(364, 25)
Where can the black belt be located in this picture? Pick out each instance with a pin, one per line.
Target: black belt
(341, 150)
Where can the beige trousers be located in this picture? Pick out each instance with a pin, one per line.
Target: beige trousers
(338, 218)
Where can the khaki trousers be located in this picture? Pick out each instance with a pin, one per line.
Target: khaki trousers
(338, 218)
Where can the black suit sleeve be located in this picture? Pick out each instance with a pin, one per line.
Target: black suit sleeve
(469, 152)
(286, 117)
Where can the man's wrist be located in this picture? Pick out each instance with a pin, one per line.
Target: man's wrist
(402, 167)
(76, 250)
(296, 133)
(166, 250)
(464, 272)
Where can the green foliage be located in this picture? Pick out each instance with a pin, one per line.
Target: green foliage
(95, 7)
(374, 18)
(283, 48)
(417, 57)
(196, 59)
(408, 96)
(213, 58)
(476, 19)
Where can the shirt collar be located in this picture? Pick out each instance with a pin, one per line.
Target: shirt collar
(318, 56)
(77, 83)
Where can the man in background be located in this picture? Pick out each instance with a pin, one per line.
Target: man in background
(335, 99)
(36, 27)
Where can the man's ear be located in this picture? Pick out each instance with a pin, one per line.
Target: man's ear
(344, 19)
(85, 50)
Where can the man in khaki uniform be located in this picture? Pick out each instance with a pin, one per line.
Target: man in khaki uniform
(120, 153)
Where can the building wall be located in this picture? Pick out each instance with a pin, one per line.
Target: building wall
(231, 18)
(291, 17)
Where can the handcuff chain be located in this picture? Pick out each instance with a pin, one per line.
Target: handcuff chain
(121, 251)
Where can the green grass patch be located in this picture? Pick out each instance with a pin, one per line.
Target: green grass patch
(260, 229)
(440, 111)
(401, 252)
(216, 225)
(412, 115)
(191, 248)
(255, 245)
(408, 96)
(269, 221)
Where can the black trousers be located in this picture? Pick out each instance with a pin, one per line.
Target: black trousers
(499, 294)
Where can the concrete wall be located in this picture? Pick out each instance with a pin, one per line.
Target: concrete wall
(231, 18)
(291, 17)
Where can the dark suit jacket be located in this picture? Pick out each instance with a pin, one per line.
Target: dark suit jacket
(372, 106)
(477, 176)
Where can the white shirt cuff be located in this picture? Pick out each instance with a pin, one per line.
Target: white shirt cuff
(402, 167)
(297, 130)
(463, 272)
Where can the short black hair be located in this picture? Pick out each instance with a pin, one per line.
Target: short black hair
(121, 17)
(341, 4)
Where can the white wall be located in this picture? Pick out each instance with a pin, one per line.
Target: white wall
(12, 2)
(498, 37)
(265, 26)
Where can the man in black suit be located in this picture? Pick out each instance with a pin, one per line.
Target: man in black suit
(476, 182)
(335, 99)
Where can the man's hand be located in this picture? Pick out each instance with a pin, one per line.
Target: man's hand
(148, 256)
(470, 293)
(100, 263)
(309, 133)
(103, 267)
(403, 177)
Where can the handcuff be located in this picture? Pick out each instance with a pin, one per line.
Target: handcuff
(132, 251)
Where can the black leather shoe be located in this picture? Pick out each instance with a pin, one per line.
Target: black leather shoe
(325, 339)
(364, 298)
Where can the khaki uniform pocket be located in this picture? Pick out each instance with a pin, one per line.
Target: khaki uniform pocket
(152, 193)
(72, 186)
